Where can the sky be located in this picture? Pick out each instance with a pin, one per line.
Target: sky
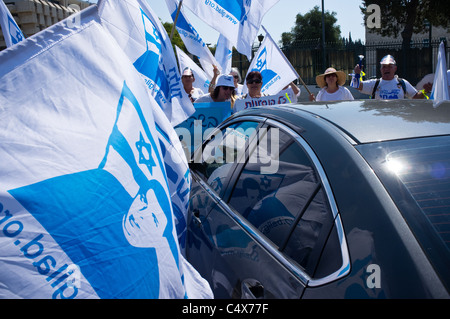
(281, 17)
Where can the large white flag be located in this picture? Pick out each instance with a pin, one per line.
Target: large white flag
(440, 93)
(238, 20)
(275, 68)
(149, 49)
(201, 79)
(224, 54)
(85, 203)
(191, 38)
(146, 43)
(10, 29)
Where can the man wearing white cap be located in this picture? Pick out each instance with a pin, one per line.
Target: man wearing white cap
(390, 86)
(188, 79)
(223, 91)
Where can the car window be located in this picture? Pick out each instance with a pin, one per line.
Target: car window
(416, 173)
(222, 150)
(288, 205)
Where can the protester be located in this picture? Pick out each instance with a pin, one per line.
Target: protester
(293, 92)
(426, 84)
(188, 79)
(212, 84)
(390, 86)
(332, 83)
(254, 85)
(223, 91)
(237, 80)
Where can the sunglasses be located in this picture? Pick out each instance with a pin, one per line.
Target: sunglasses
(257, 81)
(226, 88)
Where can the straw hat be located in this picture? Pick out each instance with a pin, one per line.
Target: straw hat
(320, 79)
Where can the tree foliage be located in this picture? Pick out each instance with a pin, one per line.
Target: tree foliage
(309, 27)
(176, 40)
(407, 17)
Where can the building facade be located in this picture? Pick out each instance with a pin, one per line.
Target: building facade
(33, 16)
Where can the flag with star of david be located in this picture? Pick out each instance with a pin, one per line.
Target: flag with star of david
(86, 202)
(11, 31)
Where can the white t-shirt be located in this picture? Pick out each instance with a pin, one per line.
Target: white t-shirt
(389, 90)
(196, 93)
(206, 98)
(342, 94)
(290, 92)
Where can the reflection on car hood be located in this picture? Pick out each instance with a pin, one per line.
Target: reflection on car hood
(372, 120)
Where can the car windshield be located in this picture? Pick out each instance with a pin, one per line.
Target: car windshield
(416, 173)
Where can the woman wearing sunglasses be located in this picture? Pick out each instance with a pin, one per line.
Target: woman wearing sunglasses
(223, 91)
(254, 85)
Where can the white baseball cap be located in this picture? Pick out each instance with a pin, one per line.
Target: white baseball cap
(388, 59)
(225, 80)
(187, 72)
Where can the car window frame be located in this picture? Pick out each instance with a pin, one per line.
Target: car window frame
(251, 230)
(237, 166)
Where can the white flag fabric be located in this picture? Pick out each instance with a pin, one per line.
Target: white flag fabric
(224, 54)
(238, 20)
(191, 38)
(85, 203)
(146, 43)
(275, 68)
(201, 79)
(440, 93)
(149, 49)
(10, 29)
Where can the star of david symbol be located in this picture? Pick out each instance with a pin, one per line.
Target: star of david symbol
(145, 151)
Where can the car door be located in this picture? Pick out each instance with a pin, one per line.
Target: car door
(265, 232)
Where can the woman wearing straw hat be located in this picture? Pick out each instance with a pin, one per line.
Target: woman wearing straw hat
(332, 82)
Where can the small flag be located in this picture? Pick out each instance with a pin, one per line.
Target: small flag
(10, 29)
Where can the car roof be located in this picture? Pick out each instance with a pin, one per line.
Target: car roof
(367, 121)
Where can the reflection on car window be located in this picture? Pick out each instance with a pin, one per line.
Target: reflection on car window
(222, 151)
(287, 206)
(416, 173)
(425, 173)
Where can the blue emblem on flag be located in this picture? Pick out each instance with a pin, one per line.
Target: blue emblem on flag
(261, 66)
(238, 8)
(14, 31)
(150, 64)
(116, 237)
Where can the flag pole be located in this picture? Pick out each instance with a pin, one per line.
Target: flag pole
(176, 19)
(301, 80)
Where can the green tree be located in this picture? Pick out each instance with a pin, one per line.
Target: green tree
(408, 17)
(176, 40)
(309, 27)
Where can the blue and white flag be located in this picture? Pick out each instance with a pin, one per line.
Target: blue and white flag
(224, 54)
(191, 38)
(440, 93)
(10, 29)
(238, 20)
(276, 70)
(140, 34)
(152, 55)
(201, 79)
(85, 203)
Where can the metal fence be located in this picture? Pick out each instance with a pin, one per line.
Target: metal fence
(307, 57)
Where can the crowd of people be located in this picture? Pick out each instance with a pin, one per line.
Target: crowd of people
(229, 87)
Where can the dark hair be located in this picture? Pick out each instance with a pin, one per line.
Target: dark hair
(215, 93)
(254, 74)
